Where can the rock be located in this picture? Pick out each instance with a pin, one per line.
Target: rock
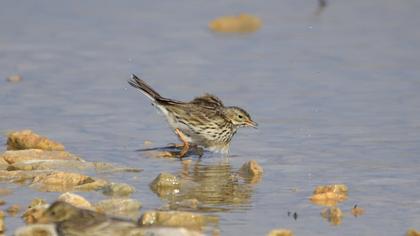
(163, 231)
(242, 23)
(13, 209)
(335, 188)
(413, 232)
(14, 78)
(48, 165)
(251, 171)
(280, 232)
(176, 219)
(118, 189)
(34, 213)
(2, 202)
(357, 211)
(16, 156)
(20, 176)
(2, 225)
(26, 139)
(333, 215)
(75, 200)
(189, 203)
(37, 230)
(165, 180)
(97, 184)
(122, 207)
(329, 195)
(251, 168)
(165, 184)
(106, 167)
(60, 181)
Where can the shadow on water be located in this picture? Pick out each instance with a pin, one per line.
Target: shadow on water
(209, 187)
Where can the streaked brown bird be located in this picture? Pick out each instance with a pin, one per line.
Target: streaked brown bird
(204, 121)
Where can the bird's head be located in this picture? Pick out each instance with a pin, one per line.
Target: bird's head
(239, 117)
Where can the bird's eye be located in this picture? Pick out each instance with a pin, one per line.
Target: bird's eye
(240, 117)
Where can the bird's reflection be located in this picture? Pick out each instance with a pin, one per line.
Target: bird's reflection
(209, 187)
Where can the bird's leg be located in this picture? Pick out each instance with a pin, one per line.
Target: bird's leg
(186, 145)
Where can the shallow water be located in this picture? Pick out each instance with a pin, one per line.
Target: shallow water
(336, 95)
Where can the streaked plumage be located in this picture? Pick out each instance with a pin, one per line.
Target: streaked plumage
(204, 121)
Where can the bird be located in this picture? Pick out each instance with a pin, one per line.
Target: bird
(73, 221)
(204, 121)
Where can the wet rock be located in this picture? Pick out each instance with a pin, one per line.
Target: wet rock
(60, 181)
(118, 189)
(16, 156)
(34, 213)
(107, 167)
(335, 188)
(37, 230)
(333, 214)
(26, 139)
(251, 168)
(280, 232)
(75, 200)
(242, 23)
(189, 203)
(176, 219)
(357, 211)
(96, 185)
(123, 207)
(413, 232)
(14, 78)
(329, 195)
(251, 171)
(164, 231)
(165, 183)
(48, 165)
(20, 176)
(2, 225)
(2, 202)
(13, 209)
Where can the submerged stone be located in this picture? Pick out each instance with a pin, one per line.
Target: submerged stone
(333, 214)
(251, 168)
(165, 181)
(176, 219)
(122, 207)
(26, 139)
(60, 181)
(118, 189)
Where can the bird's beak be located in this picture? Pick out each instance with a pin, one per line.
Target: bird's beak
(252, 124)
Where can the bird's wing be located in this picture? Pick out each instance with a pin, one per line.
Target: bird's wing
(208, 100)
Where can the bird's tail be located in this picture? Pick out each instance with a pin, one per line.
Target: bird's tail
(144, 88)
